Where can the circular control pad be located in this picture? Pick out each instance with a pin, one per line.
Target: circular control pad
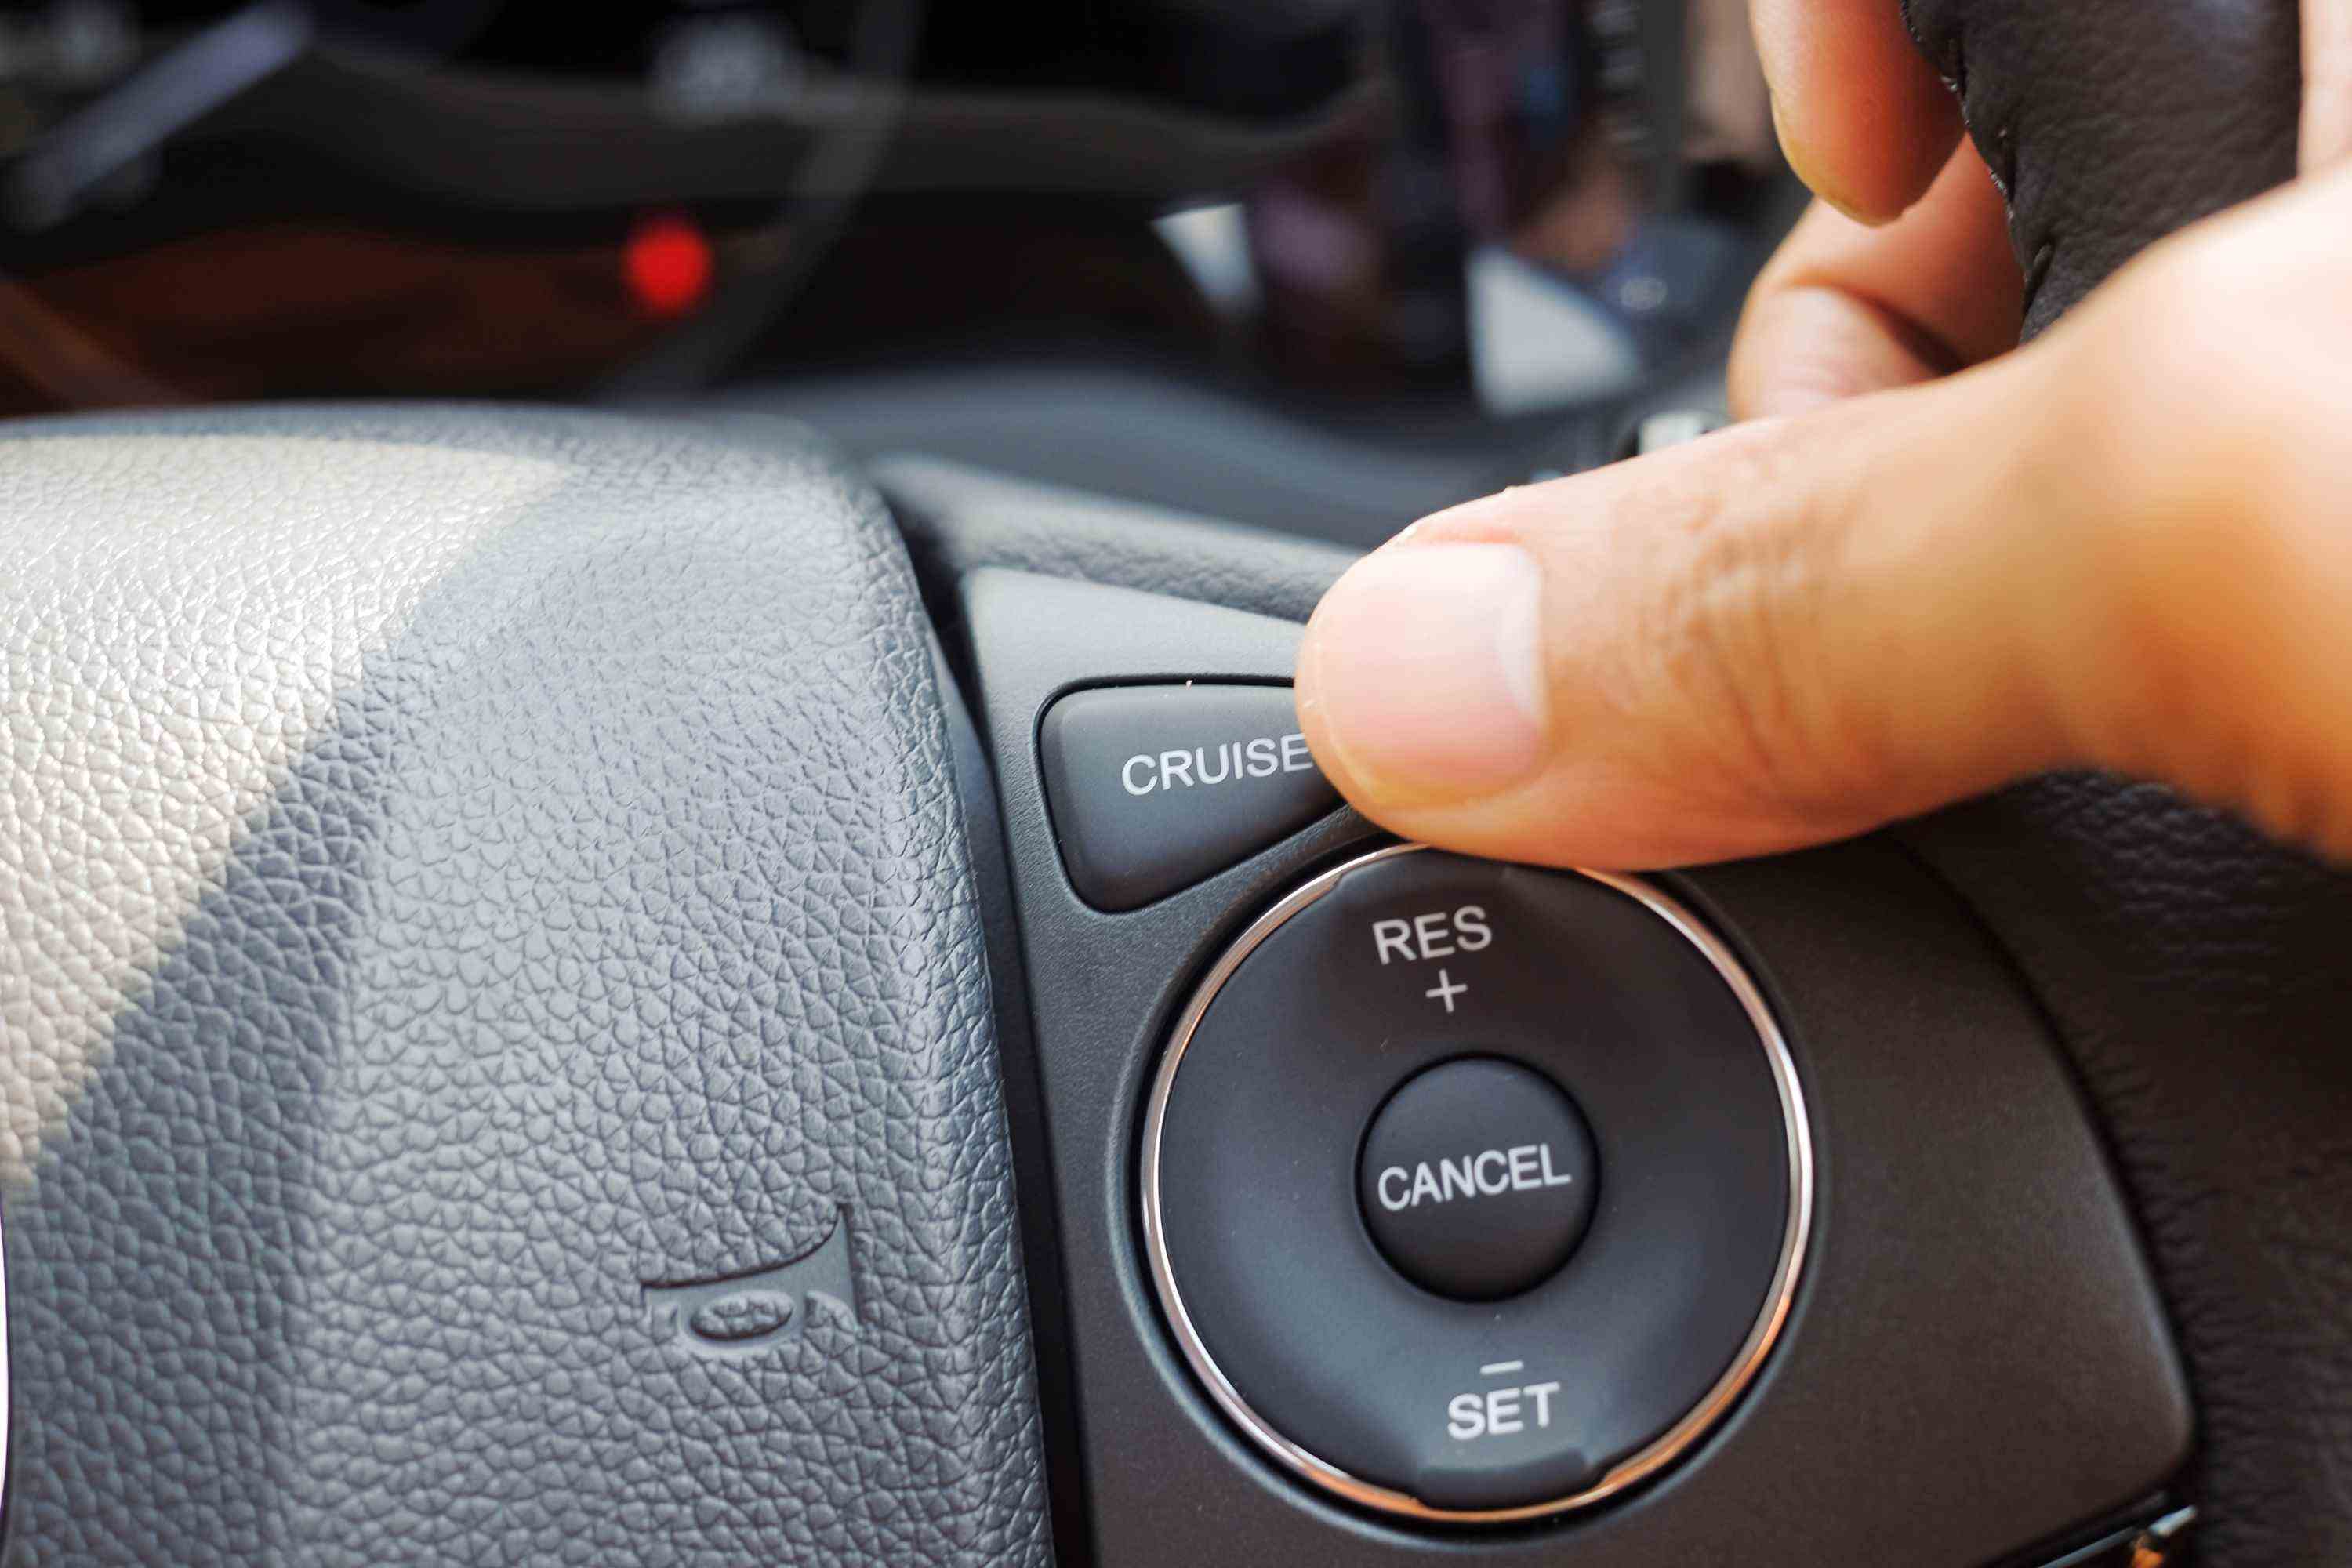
(1475, 1192)
(1477, 1179)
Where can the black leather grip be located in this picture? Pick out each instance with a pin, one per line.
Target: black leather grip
(2110, 124)
(2194, 969)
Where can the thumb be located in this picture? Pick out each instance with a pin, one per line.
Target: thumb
(2118, 548)
(1722, 650)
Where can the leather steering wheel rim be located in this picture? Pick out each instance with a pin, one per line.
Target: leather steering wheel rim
(2194, 969)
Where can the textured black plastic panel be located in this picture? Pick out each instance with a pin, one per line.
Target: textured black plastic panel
(1976, 1362)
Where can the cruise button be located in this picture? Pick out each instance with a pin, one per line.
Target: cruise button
(1153, 788)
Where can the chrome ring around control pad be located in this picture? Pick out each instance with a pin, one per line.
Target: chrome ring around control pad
(1550, 1399)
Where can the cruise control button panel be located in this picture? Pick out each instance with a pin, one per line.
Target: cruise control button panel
(1153, 788)
(1473, 1192)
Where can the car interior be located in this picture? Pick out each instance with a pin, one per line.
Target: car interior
(661, 901)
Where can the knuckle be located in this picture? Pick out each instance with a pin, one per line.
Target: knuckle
(1732, 623)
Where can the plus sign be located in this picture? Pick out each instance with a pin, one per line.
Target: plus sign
(1445, 990)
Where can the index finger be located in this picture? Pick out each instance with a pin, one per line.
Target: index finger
(1843, 310)
(1864, 119)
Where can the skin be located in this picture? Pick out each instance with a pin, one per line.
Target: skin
(1928, 563)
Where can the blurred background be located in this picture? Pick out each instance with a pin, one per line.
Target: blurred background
(1318, 265)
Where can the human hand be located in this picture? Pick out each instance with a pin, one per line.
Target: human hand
(1929, 566)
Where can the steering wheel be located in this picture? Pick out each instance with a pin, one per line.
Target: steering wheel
(548, 1019)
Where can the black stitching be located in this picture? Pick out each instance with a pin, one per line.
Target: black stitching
(2037, 271)
(2003, 162)
(1946, 55)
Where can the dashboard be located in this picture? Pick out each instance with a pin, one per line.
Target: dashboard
(1338, 203)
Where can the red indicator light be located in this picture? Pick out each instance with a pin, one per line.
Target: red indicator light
(667, 264)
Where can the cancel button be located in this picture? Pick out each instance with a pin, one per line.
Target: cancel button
(1477, 1179)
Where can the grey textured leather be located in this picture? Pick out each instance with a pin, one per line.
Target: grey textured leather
(591, 911)
(2196, 973)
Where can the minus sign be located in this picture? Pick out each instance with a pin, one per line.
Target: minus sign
(1497, 1368)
